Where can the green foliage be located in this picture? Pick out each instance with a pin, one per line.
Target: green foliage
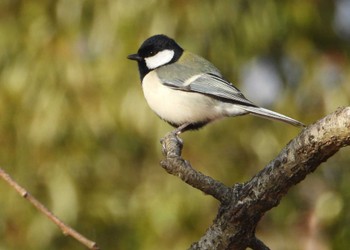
(76, 131)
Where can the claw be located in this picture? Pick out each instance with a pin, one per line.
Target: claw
(172, 142)
(164, 150)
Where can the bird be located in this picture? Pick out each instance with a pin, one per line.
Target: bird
(187, 91)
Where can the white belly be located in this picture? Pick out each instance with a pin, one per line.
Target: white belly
(177, 106)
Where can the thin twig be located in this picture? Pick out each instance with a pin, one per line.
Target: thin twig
(65, 229)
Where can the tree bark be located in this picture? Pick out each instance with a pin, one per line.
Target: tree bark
(243, 205)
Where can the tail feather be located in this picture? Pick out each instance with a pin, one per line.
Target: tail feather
(265, 113)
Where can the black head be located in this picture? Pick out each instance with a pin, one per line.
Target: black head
(155, 52)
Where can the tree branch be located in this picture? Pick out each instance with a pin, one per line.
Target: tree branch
(38, 205)
(175, 165)
(242, 206)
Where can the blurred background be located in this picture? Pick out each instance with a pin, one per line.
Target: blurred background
(76, 132)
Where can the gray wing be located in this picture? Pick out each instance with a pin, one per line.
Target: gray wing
(216, 86)
(211, 84)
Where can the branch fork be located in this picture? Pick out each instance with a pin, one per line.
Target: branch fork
(243, 205)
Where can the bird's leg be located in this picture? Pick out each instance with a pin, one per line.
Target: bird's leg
(176, 132)
(180, 129)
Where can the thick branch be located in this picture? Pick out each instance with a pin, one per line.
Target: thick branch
(175, 165)
(239, 213)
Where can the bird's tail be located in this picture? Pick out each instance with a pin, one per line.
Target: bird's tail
(265, 113)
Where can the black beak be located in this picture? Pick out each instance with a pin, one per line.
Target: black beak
(135, 57)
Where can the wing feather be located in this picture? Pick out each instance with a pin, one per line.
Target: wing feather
(211, 84)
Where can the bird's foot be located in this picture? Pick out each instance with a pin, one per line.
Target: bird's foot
(173, 137)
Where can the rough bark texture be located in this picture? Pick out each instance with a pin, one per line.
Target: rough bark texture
(243, 205)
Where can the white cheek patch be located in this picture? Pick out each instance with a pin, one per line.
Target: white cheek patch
(159, 59)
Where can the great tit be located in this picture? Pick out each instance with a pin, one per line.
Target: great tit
(187, 91)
